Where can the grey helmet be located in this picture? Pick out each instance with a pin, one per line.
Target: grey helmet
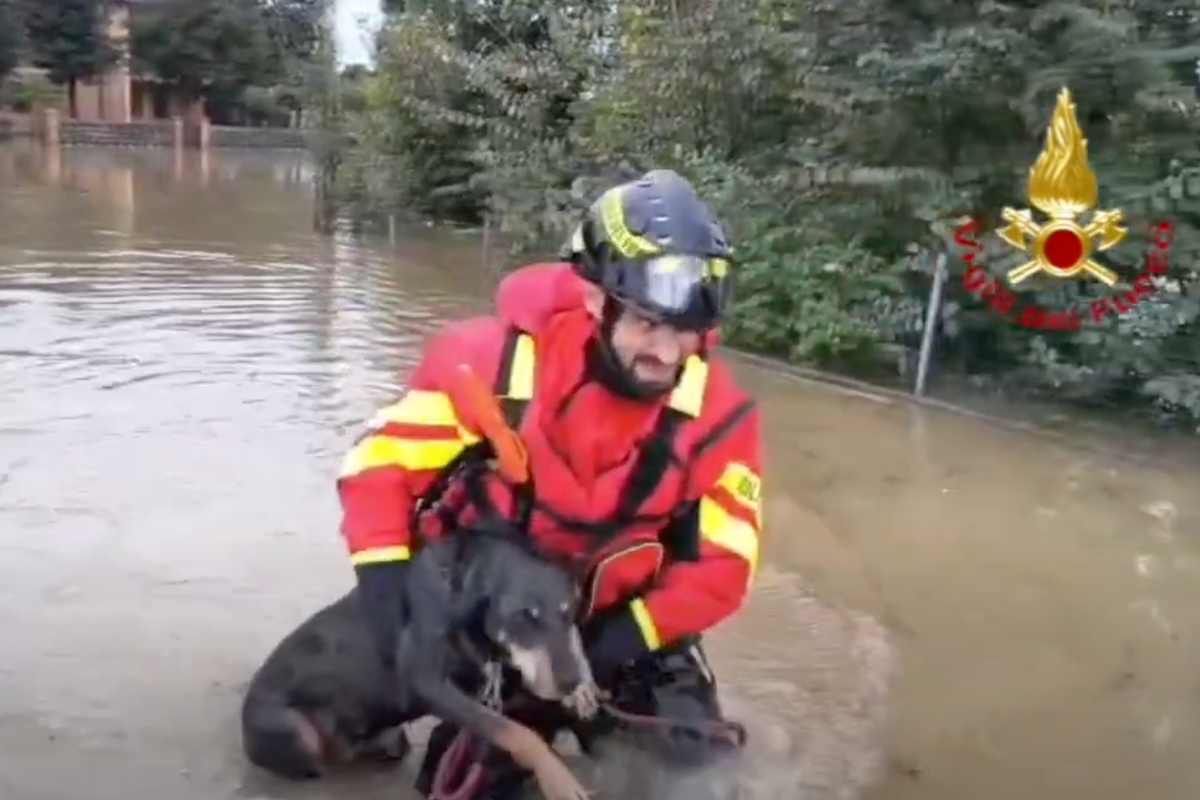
(654, 244)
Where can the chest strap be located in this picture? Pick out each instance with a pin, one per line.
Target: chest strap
(514, 386)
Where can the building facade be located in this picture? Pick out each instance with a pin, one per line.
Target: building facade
(120, 95)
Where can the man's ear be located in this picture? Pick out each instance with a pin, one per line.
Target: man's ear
(593, 299)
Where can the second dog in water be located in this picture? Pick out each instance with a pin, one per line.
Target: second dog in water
(324, 695)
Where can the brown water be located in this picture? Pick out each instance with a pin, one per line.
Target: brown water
(182, 364)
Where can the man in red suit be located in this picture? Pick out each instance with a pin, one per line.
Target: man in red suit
(644, 454)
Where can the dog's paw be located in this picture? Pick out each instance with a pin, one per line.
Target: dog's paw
(584, 702)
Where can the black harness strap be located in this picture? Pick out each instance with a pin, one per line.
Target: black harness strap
(655, 457)
(721, 429)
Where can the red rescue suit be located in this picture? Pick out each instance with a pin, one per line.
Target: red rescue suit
(679, 561)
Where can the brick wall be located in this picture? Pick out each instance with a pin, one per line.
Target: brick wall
(12, 124)
(161, 133)
(282, 138)
(134, 134)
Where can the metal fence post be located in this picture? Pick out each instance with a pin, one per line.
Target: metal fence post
(931, 315)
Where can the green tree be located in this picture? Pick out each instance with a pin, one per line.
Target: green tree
(208, 48)
(295, 26)
(965, 91)
(69, 40)
(11, 39)
(835, 138)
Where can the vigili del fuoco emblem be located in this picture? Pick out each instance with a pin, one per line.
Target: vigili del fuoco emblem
(1063, 186)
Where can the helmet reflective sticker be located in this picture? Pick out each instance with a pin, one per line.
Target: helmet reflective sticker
(629, 245)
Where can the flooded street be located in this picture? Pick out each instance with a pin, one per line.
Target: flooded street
(183, 364)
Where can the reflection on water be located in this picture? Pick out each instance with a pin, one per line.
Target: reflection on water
(183, 364)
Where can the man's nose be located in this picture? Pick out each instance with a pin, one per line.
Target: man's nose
(664, 344)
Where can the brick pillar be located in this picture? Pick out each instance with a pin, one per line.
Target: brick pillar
(50, 127)
(53, 164)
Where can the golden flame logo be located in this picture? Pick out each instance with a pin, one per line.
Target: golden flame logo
(1061, 183)
(1063, 186)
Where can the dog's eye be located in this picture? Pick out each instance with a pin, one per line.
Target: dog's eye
(533, 614)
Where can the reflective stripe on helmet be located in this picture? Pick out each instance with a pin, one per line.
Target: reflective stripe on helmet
(628, 244)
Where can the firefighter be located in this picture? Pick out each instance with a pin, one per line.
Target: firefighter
(644, 453)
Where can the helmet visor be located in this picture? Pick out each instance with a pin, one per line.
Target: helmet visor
(685, 289)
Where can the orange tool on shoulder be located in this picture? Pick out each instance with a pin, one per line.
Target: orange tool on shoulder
(479, 409)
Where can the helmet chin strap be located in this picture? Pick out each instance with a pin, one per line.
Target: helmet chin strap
(607, 368)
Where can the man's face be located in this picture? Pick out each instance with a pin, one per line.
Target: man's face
(651, 351)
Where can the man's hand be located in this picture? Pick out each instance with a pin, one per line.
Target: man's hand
(610, 642)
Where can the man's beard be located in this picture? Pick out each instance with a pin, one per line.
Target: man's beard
(653, 387)
(605, 366)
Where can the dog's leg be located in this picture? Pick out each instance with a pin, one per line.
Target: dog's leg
(423, 660)
(524, 745)
(388, 745)
(281, 739)
(584, 701)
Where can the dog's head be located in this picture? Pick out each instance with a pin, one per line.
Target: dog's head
(530, 616)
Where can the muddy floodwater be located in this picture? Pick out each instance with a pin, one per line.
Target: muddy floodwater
(183, 363)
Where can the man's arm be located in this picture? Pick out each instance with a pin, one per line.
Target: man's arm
(404, 450)
(692, 596)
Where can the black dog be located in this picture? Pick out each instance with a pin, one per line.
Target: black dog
(325, 695)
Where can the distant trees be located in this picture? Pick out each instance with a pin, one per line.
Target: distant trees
(205, 47)
(10, 37)
(522, 109)
(68, 40)
(217, 48)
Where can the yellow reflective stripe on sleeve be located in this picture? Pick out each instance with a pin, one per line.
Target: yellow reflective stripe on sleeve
(419, 407)
(388, 451)
(378, 555)
(688, 396)
(725, 530)
(645, 623)
(520, 376)
(745, 486)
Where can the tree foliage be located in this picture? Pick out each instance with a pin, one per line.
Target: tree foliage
(523, 109)
(207, 47)
(216, 49)
(68, 38)
(11, 39)
(295, 26)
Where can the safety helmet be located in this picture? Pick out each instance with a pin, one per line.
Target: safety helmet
(653, 244)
